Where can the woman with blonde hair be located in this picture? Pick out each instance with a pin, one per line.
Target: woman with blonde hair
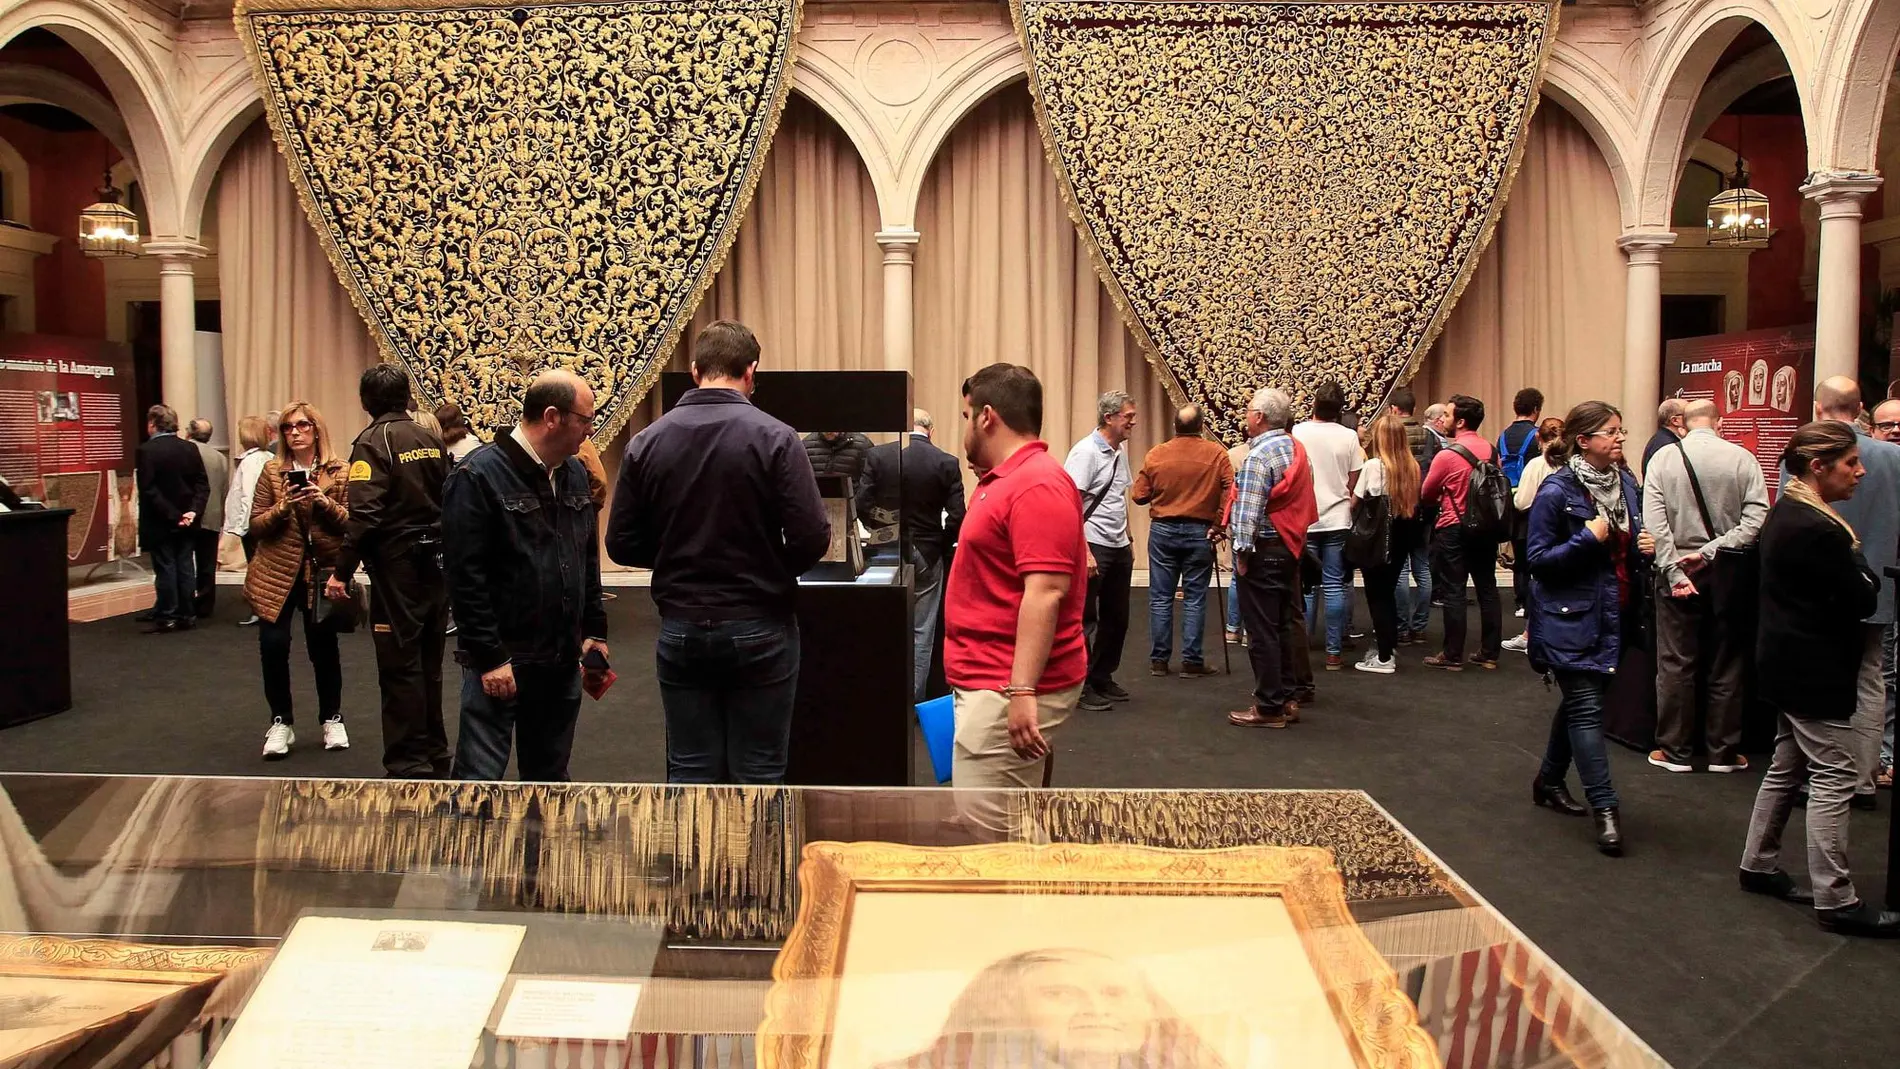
(1389, 481)
(254, 436)
(297, 516)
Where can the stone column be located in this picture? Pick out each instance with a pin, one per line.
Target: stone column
(1837, 302)
(900, 258)
(178, 321)
(1642, 333)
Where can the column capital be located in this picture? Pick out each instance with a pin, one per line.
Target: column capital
(1839, 193)
(1645, 246)
(899, 245)
(171, 251)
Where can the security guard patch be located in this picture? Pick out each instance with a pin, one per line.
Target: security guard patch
(359, 472)
(408, 455)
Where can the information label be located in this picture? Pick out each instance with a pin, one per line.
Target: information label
(1760, 380)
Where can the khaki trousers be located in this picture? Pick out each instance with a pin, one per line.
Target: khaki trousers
(986, 772)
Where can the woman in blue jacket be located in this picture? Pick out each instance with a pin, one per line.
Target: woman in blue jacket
(1587, 550)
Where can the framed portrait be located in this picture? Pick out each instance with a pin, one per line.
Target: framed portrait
(61, 998)
(1022, 956)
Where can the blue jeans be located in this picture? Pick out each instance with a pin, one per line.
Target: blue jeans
(728, 687)
(1233, 602)
(1331, 548)
(1178, 552)
(1416, 612)
(176, 576)
(1576, 734)
(538, 721)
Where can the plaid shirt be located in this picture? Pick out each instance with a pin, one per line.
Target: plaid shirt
(1267, 462)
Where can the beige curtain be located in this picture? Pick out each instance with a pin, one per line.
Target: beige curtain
(1545, 306)
(1003, 276)
(290, 331)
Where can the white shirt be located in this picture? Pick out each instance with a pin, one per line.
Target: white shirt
(1092, 464)
(1371, 479)
(237, 502)
(1334, 453)
(522, 440)
(465, 445)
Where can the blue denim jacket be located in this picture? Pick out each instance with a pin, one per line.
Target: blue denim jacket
(1576, 620)
(522, 558)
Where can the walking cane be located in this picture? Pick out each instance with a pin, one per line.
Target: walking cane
(1220, 591)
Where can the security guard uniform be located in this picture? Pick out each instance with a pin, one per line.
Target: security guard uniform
(397, 467)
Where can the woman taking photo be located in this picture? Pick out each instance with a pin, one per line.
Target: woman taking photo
(1815, 590)
(297, 517)
(1586, 548)
(1391, 473)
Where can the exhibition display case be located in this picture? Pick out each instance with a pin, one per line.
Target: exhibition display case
(183, 922)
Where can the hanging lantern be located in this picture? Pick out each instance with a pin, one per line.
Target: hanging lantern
(1738, 216)
(108, 228)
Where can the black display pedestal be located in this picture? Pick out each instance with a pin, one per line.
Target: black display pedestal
(852, 724)
(36, 677)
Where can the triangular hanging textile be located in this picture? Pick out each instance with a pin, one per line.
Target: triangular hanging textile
(504, 188)
(1281, 193)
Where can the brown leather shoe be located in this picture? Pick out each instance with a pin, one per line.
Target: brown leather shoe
(1190, 671)
(1442, 663)
(1334, 662)
(1251, 718)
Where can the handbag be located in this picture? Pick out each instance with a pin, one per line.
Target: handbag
(1733, 575)
(1369, 540)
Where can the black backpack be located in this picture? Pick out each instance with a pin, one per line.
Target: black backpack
(1488, 511)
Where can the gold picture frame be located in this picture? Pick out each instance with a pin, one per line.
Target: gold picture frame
(65, 996)
(1377, 1024)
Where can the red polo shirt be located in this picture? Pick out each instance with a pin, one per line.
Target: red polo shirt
(1024, 517)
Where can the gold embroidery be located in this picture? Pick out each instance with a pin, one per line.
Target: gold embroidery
(1278, 193)
(506, 188)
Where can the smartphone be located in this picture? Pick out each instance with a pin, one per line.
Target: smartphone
(297, 477)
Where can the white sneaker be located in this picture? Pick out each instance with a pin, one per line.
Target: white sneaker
(278, 740)
(334, 737)
(1371, 663)
(1519, 613)
(1520, 644)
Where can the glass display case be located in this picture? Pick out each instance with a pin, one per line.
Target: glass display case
(180, 922)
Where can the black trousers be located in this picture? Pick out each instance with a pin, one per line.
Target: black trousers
(1694, 645)
(1268, 592)
(1382, 597)
(1521, 571)
(204, 551)
(273, 647)
(409, 666)
(1456, 556)
(1105, 613)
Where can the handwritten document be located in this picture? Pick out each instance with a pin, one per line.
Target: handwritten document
(374, 994)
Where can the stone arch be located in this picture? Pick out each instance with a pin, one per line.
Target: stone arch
(20, 82)
(231, 105)
(1589, 94)
(1687, 57)
(18, 204)
(821, 80)
(1861, 53)
(969, 83)
(110, 43)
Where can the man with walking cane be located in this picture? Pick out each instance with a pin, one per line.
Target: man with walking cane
(1186, 483)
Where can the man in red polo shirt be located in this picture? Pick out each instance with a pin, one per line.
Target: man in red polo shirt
(1013, 647)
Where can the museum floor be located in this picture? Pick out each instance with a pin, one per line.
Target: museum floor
(1707, 975)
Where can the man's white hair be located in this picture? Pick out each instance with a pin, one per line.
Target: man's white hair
(1274, 406)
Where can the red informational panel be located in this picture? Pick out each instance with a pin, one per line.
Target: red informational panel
(1762, 381)
(67, 435)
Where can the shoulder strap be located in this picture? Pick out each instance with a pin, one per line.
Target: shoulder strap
(1470, 458)
(1095, 501)
(1701, 503)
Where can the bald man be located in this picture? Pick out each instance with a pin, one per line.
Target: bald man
(1670, 427)
(1701, 496)
(1874, 513)
(1887, 421)
(1185, 482)
(519, 532)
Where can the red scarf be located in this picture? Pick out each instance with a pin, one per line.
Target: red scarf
(1291, 506)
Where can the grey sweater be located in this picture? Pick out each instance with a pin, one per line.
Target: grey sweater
(1731, 483)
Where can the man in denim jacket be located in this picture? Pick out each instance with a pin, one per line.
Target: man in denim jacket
(523, 562)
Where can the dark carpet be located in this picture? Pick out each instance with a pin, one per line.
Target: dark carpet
(1706, 974)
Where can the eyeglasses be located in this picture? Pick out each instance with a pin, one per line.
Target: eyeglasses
(1618, 433)
(302, 426)
(1888, 425)
(586, 418)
